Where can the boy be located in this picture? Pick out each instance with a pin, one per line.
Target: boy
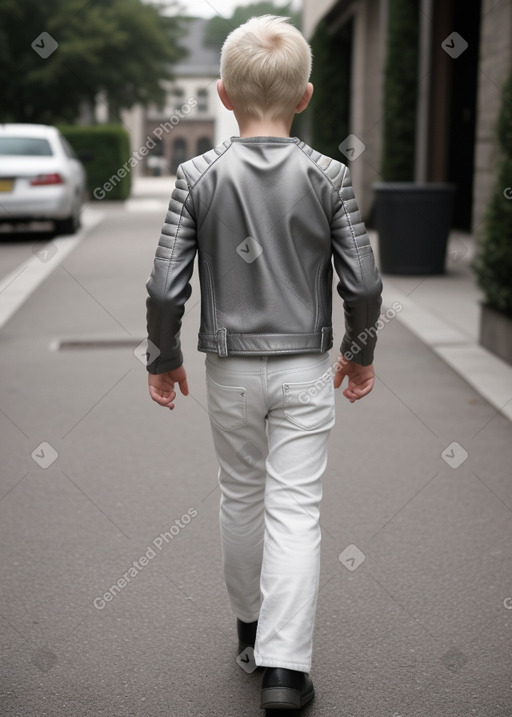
(266, 215)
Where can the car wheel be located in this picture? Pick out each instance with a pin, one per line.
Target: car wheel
(71, 224)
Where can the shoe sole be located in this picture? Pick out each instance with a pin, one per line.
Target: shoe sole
(284, 698)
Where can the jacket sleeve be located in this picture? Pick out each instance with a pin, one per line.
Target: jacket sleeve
(168, 286)
(359, 285)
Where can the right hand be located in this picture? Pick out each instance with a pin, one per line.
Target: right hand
(361, 379)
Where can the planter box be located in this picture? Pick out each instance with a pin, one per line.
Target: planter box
(413, 222)
(496, 333)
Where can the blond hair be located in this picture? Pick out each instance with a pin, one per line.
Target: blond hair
(265, 67)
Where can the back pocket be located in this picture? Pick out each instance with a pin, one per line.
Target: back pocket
(309, 404)
(227, 405)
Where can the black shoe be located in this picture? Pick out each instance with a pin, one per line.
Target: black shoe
(246, 634)
(285, 689)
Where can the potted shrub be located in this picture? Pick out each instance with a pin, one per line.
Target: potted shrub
(413, 219)
(493, 261)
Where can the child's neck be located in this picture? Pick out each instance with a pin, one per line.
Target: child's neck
(253, 127)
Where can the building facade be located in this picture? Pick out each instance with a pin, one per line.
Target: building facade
(192, 119)
(465, 51)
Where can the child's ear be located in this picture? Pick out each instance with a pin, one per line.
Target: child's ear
(306, 97)
(224, 95)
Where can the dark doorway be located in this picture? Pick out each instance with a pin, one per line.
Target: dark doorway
(463, 110)
(204, 144)
(179, 154)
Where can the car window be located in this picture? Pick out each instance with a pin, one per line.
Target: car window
(25, 147)
(68, 149)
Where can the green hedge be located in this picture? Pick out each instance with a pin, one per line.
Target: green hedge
(108, 169)
(400, 92)
(329, 107)
(493, 262)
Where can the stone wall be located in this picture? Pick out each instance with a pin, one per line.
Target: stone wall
(366, 102)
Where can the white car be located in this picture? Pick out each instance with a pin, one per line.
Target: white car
(40, 177)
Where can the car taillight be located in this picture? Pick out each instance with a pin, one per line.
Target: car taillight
(45, 179)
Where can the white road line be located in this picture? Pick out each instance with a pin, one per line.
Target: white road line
(16, 287)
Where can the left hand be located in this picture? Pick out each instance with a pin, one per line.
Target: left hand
(161, 386)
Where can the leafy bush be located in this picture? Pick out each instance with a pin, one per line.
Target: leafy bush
(329, 107)
(493, 263)
(109, 150)
(400, 91)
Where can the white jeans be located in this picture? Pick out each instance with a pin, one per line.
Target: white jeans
(271, 417)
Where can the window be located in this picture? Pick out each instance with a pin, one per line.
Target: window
(68, 149)
(25, 147)
(178, 94)
(179, 154)
(158, 149)
(202, 100)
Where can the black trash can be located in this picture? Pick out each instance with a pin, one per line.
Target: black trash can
(413, 222)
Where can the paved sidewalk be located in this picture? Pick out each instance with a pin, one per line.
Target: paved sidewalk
(415, 604)
(444, 312)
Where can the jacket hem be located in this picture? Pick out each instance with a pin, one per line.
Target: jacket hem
(224, 343)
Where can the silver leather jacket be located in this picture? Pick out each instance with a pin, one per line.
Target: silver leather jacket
(267, 216)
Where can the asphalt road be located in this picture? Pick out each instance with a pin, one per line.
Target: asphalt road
(415, 620)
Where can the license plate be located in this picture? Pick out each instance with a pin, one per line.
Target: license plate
(6, 185)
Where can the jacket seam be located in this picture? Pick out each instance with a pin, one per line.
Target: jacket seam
(334, 189)
(318, 293)
(266, 352)
(169, 260)
(276, 333)
(211, 297)
(356, 247)
(317, 166)
(207, 169)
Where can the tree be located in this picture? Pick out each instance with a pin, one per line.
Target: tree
(219, 28)
(493, 262)
(123, 48)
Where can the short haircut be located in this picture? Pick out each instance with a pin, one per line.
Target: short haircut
(265, 67)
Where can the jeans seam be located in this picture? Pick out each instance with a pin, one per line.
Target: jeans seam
(263, 378)
(299, 369)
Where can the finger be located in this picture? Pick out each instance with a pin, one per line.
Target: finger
(364, 391)
(365, 388)
(354, 392)
(184, 387)
(164, 399)
(161, 393)
(339, 375)
(165, 402)
(349, 393)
